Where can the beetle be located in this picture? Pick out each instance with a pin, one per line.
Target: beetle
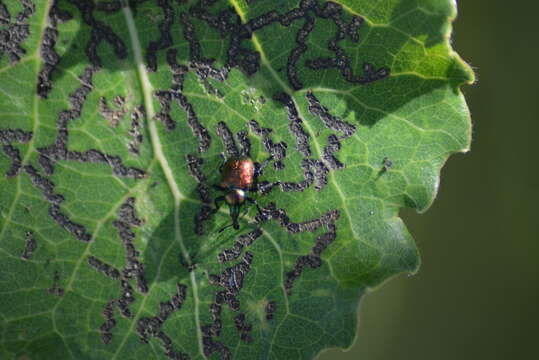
(239, 176)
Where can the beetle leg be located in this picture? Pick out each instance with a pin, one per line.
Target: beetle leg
(218, 187)
(218, 202)
(225, 227)
(253, 201)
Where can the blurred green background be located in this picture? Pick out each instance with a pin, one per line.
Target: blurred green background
(476, 295)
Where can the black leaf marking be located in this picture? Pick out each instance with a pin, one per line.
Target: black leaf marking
(136, 130)
(99, 32)
(330, 121)
(194, 165)
(59, 151)
(148, 327)
(55, 289)
(166, 38)
(113, 115)
(312, 260)
(271, 212)
(104, 268)
(16, 32)
(245, 143)
(341, 61)
(243, 327)
(15, 157)
(8, 136)
(231, 279)
(276, 150)
(295, 124)
(296, 53)
(47, 188)
(133, 269)
(175, 92)
(30, 246)
(228, 140)
(244, 240)
(49, 56)
(110, 322)
(270, 309)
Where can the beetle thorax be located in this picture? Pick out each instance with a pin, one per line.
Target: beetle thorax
(235, 197)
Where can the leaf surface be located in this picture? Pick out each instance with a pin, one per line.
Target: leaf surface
(114, 122)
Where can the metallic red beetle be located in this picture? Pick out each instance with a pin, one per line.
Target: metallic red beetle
(239, 176)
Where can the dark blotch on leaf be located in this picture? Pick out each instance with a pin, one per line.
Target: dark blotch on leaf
(276, 150)
(16, 32)
(165, 39)
(55, 289)
(49, 56)
(194, 165)
(30, 246)
(47, 188)
(312, 260)
(148, 327)
(270, 309)
(231, 279)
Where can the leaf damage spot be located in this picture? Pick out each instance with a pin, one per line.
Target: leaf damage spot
(113, 115)
(99, 32)
(59, 151)
(49, 56)
(231, 279)
(133, 269)
(245, 143)
(322, 242)
(270, 309)
(175, 93)
(312, 260)
(194, 165)
(228, 140)
(109, 324)
(248, 97)
(271, 212)
(295, 125)
(244, 240)
(30, 246)
(315, 171)
(165, 40)
(148, 327)
(341, 61)
(136, 130)
(330, 121)
(16, 31)
(55, 289)
(8, 136)
(104, 268)
(47, 188)
(243, 327)
(276, 150)
(387, 164)
(298, 51)
(334, 123)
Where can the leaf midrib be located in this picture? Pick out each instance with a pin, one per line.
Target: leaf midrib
(147, 90)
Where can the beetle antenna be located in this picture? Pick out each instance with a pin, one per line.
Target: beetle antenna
(222, 229)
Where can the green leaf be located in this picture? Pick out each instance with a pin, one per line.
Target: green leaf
(113, 119)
